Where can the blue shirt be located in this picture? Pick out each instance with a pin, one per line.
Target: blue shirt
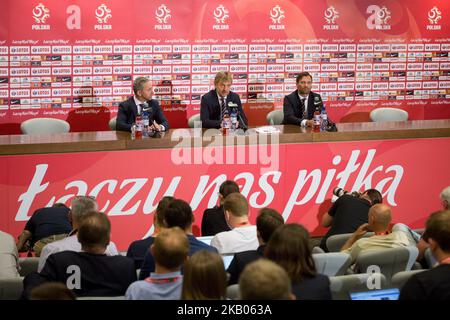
(149, 262)
(157, 287)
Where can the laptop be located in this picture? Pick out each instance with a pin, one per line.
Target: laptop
(227, 259)
(381, 294)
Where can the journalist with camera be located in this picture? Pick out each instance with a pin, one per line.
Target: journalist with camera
(348, 212)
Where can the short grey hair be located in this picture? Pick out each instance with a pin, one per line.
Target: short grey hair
(445, 194)
(82, 205)
(138, 84)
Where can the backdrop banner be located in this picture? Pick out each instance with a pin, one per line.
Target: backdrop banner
(76, 60)
(295, 179)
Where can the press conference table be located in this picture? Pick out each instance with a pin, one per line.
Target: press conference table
(115, 141)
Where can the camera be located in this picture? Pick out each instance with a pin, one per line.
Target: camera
(338, 192)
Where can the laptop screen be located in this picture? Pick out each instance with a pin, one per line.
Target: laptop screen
(382, 294)
(227, 259)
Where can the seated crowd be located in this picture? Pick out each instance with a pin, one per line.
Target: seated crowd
(272, 259)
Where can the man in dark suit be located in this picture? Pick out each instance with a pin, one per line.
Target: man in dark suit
(267, 222)
(216, 103)
(213, 220)
(142, 99)
(299, 106)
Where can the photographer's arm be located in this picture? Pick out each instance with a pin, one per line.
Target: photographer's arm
(327, 220)
(24, 236)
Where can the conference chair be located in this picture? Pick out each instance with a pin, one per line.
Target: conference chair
(400, 278)
(28, 265)
(112, 123)
(275, 117)
(336, 242)
(11, 288)
(233, 292)
(332, 263)
(340, 286)
(44, 126)
(193, 119)
(388, 114)
(390, 261)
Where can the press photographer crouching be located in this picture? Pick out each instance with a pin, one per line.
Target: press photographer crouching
(348, 212)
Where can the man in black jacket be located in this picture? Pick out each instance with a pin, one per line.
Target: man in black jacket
(217, 102)
(213, 220)
(299, 106)
(142, 99)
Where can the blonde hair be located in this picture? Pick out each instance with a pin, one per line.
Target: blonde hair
(222, 76)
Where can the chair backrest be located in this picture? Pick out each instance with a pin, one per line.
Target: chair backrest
(11, 288)
(44, 126)
(28, 265)
(317, 249)
(400, 278)
(332, 263)
(112, 123)
(390, 261)
(388, 114)
(275, 117)
(193, 119)
(334, 243)
(233, 292)
(340, 286)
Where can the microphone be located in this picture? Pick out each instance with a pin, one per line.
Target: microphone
(241, 121)
(318, 101)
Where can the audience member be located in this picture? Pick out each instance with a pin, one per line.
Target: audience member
(9, 257)
(348, 213)
(204, 277)
(170, 250)
(267, 222)
(80, 205)
(139, 248)
(265, 280)
(433, 284)
(52, 291)
(379, 220)
(242, 237)
(289, 247)
(89, 272)
(178, 214)
(445, 198)
(213, 220)
(45, 225)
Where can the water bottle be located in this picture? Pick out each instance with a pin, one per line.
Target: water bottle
(145, 122)
(139, 127)
(133, 131)
(226, 123)
(324, 123)
(234, 119)
(316, 119)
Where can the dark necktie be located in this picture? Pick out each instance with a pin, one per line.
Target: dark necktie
(223, 108)
(303, 107)
(141, 107)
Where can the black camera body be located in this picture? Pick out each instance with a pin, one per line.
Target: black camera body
(339, 192)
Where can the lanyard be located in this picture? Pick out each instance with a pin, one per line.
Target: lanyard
(162, 280)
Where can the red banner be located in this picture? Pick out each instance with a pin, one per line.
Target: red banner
(295, 179)
(76, 61)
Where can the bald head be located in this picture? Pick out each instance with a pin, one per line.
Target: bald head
(380, 217)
